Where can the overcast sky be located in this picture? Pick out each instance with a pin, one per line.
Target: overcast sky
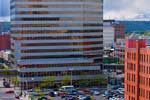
(127, 9)
(113, 9)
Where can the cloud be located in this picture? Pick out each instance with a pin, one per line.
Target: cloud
(125, 9)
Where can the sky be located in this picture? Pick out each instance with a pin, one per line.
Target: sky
(113, 9)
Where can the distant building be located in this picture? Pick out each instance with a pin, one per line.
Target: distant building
(5, 41)
(108, 34)
(5, 55)
(119, 50)
(4, 27)
(119, 31)
(137, 70)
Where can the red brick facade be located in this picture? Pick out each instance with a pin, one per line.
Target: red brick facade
(5, 41)
(119, 31)
(137, 70)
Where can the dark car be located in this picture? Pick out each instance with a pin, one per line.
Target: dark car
(42, 98)
(88, 98)
(51, 94)
(70, 97)
(17, 97)
(9, 92)
(74, 92)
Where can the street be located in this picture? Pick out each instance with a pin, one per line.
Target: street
(3, 95)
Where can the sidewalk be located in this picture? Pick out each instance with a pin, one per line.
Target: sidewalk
(3, 95)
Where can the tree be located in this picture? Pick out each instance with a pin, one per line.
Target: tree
(147, 33)
(66, 79)
(48, 81)
(83, 82)
(100, 79)
(15, 81)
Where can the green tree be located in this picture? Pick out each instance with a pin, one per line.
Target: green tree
(83, 82)
(100, 79)
(38, 90)
(147, 33)
(48, 81)
(15, 81)
(66, 79)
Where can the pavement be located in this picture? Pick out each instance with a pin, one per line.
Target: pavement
(3, 95)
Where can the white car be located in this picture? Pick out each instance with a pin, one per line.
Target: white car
(115, 98)
(96, 92)
(81, 97)
(120, 90)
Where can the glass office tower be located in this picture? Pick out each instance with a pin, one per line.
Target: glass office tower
(56, 38)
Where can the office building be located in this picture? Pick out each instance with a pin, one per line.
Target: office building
(108, 34)
(137, 70)
(56, 38)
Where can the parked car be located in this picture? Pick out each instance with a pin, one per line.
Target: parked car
(52, 94)
(88, 98)
(67, 88)
(62, 93)
(82, 97)
(42, 98)
(17, 97)
(96, 93)
(9, 92)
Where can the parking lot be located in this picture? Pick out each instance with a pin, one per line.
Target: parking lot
(75, 94)
(100, 97)
(111, 93)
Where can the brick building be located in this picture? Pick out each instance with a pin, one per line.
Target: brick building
(137, 70)
(119, 31)
(4, 41)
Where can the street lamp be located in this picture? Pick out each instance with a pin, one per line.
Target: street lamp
(71, 69)
(26, 84)
(20, 84)
(32, 80)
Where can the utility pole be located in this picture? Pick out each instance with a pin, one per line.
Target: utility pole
(71, 69)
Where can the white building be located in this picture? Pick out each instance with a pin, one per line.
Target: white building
(56, 38)
(108, 34)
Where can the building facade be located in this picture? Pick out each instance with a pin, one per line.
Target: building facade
(119, 31)
(108, 34)
(56, 38)
(137, 70)
(5, 41)
(119, 50)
